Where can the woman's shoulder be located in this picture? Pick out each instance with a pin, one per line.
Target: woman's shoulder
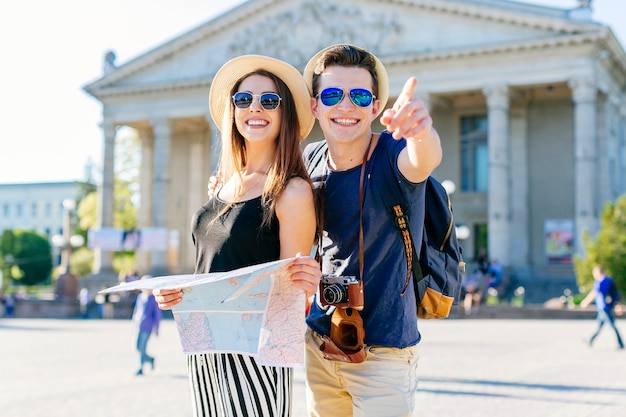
(297, 187)
(297, 193)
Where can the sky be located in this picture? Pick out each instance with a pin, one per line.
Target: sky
(49, 127)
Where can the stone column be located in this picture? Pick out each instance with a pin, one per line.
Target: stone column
(161, 180)
(198, 179)
(144, 218)
(499, 201)
(609, 156)
(585, 97)
(106, 203)
(520, 223)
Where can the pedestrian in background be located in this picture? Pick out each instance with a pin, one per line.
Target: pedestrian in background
(9, 304)
(146, 319)
(84, 298)
(606, 297)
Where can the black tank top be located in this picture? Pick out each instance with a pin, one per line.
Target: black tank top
(235, 239)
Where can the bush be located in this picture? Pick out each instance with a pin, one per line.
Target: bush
(607, 248)
(30, 256)
(124, 261)
(81, 262)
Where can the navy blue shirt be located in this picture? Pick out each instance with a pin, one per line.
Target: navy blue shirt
(389, 318)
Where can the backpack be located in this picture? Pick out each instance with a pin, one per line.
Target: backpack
(613, 295)
(438, 274)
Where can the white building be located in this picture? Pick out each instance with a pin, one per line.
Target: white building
(528, 100)
(36, 206)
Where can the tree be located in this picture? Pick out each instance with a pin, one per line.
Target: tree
(127, 174)
(81, 262)
(607, 248)
(86, 211)
(27, 256)
(124, 214)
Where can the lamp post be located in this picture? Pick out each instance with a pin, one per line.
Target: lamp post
(67, 286)
(462, 231)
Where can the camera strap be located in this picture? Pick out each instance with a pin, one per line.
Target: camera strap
(346, 340)
(321, 218)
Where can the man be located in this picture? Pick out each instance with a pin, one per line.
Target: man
(606, 297)
(349, 88)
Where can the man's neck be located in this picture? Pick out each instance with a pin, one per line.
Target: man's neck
(343, 156)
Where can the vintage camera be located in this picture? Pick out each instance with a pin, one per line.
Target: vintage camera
(341, 291)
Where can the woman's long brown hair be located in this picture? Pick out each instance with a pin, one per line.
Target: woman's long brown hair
(287, 162)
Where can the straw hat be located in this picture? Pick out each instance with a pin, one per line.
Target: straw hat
(233, 70)
(381, 72)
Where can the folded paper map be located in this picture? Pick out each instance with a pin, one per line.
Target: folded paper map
(254, 310)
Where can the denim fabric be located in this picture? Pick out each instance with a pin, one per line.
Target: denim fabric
(603, 317)
(142, 344)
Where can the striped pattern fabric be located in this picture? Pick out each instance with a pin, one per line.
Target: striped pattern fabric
(234, 385)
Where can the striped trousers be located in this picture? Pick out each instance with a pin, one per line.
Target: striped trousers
(235, 385)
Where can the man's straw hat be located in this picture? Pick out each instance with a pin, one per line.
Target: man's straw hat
(381, 72)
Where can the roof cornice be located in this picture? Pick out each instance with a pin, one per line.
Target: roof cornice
(541, 17)
(404, 59)
(568, 32)
(521, 14)
(497, 48)
(441, 55)
(157, 88)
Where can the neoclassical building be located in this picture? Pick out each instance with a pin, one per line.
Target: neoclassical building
(529, 102)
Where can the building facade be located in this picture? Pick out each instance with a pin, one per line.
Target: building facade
(36, 206)
(528, 100)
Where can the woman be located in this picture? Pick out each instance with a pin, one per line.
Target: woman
(263, 210)
(146, 319)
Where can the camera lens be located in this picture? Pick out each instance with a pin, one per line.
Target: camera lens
(335, 294)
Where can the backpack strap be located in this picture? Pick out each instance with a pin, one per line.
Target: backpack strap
(402, 222)
(397, 200)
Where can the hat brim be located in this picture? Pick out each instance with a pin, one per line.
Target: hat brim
(233, 70)
(381, 72)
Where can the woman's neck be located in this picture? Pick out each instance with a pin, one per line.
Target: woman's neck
(259, 158)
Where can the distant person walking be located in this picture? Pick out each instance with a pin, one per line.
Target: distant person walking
(606, 296)
(146, 318)
(83, 300)
(9, 304)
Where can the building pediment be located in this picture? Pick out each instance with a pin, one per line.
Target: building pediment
(295, 30)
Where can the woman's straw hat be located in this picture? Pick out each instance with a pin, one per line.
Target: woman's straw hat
(233, 70)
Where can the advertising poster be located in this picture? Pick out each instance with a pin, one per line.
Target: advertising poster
(559, 241)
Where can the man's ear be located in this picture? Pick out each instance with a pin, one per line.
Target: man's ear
(313, 102)
(375, 107)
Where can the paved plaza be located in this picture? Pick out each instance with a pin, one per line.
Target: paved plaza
(468, 368)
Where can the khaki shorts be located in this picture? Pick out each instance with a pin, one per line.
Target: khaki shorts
(383, 386)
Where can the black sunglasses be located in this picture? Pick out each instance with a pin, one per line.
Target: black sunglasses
(269, 101)
(359, 96)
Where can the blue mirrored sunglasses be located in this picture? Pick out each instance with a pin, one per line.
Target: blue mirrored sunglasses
(359, 96)
(269, 101)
